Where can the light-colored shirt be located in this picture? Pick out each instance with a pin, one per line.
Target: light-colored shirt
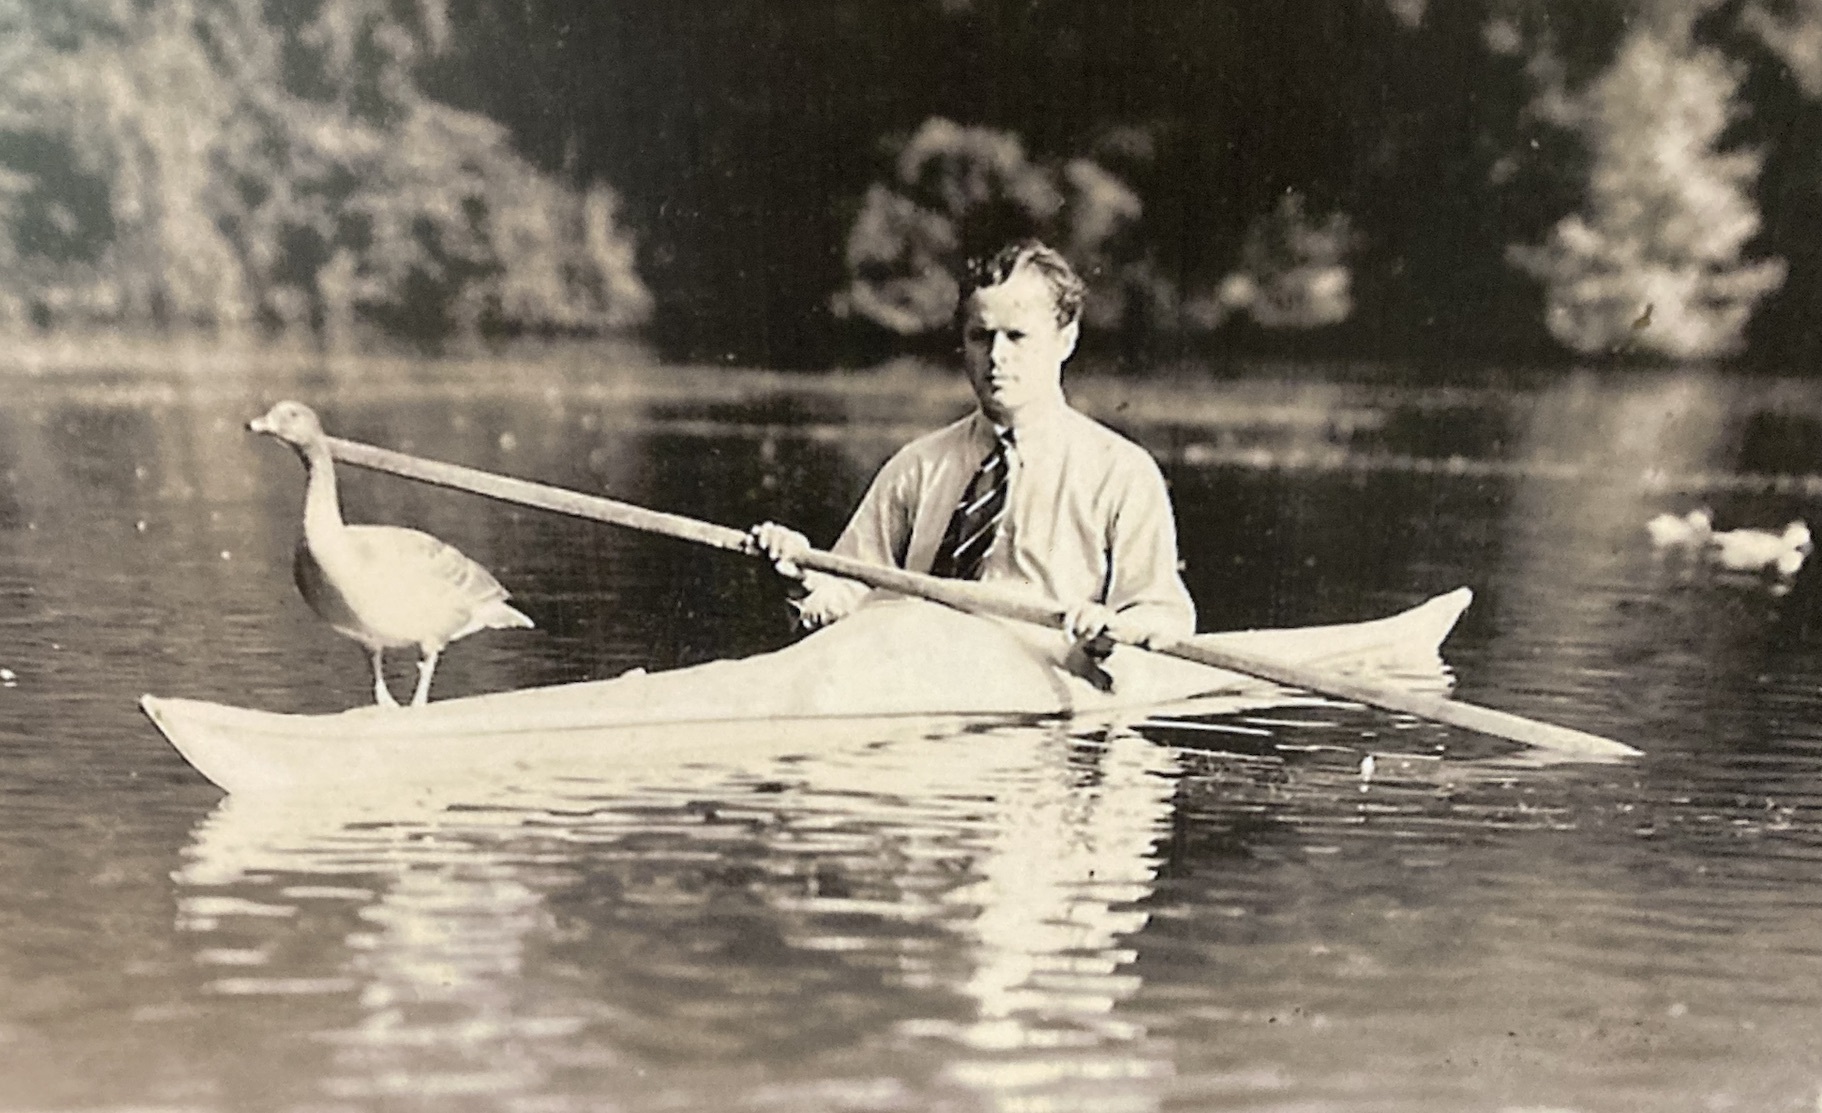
(1088, 518)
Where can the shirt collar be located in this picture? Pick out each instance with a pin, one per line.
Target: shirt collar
(1038, 425)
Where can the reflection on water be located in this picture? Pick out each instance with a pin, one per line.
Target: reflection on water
(995, 877)
(1220, 912)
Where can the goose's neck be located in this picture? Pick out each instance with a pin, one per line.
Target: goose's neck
(322, 507)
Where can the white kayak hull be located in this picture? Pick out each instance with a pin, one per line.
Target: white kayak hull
(895, 666)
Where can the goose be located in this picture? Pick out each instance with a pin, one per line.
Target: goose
(1691, 530)
(1757, 550)
(386, 587)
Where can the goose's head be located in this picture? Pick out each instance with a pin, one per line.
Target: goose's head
(292, 422)
(1796, 535)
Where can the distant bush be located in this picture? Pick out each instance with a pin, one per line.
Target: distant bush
(1653, 262)
(1293, 273)
(959, 191)
(203, 163)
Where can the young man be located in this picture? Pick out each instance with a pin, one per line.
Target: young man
(1024, 492)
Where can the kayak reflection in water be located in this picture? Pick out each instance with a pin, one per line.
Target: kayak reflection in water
(1024, 491)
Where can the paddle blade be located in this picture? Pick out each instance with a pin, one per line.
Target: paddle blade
(1468, 716)
(1531, 732)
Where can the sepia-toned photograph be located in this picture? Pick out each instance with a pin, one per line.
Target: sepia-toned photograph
(910, 556)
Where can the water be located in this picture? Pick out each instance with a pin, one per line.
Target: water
(1018, 919)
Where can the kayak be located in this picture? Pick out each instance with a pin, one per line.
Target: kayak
(897, 664)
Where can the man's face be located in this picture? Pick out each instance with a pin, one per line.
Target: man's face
(1013, 347)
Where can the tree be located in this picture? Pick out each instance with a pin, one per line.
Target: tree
(1654, 262)
(960, 191)
(107, 118)
(229, 168)
(1292, 275)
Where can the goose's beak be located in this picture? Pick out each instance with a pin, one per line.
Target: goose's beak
(259, 425)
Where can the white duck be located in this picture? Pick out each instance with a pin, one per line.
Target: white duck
(1758, 550)
(1690, 531)
(384, 586)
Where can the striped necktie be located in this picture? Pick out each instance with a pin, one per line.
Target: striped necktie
(977, 517)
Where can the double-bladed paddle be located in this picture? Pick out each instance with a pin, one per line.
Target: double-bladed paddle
(977, 598)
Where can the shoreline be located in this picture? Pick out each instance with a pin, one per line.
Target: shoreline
(36, 355)
(1336, 393)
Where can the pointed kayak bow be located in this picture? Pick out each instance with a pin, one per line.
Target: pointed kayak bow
(977, 598)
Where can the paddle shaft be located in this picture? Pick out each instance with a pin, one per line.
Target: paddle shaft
(964, 595)
(973, 597)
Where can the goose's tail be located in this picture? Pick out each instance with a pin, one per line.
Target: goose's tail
(501, 615)
(495, 614)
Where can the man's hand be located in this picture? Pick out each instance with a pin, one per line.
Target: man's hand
(782, 546)
(818, 609)
(1097, 628)
(1090, 627)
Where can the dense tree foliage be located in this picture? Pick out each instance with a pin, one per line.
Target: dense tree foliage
(223, 164)
(958, 192)
(1654, 258)
(1435, 163)
(1503, 177)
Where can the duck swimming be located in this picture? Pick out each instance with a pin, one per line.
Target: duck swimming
(1691, 530)
(386, 587)
(1758, 550)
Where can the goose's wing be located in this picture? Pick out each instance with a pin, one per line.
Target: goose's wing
(419, 555)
